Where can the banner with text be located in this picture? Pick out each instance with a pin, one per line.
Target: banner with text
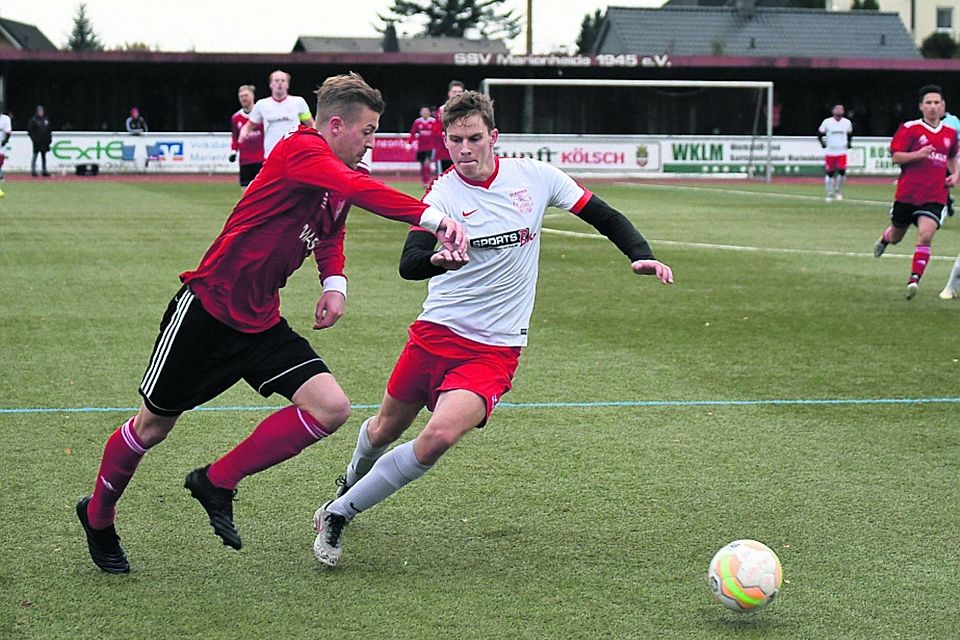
(578, 155)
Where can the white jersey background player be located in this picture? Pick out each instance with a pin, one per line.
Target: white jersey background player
(835, 135)
(464, 347)
(279, 113)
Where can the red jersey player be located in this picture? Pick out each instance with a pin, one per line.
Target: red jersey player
(224, 324)
(925, 149)
(251, 151)
(424, 133)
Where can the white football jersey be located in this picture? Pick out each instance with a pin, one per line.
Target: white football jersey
(278, 117)
(490, 299)
(835, 133)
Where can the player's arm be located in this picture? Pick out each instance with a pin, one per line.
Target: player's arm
(330, 263)
(621, 232)
(420, 260)
(313, 169)
(305, 116)
(820, 134)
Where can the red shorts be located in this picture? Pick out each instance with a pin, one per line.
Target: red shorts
(435, 359)
(833, 163)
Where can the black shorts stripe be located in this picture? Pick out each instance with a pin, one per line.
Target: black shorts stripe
(166, 340)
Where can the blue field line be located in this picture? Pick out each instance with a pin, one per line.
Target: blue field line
(599, 404)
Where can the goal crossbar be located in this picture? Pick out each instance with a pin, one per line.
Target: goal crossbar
(765, 85)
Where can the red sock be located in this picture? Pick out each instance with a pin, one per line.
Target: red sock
(921, 256)
(426, 172)
(121, 456)
(279, 437)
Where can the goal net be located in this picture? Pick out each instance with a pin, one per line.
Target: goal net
(683, 114)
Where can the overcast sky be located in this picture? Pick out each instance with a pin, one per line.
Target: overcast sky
(243, 26)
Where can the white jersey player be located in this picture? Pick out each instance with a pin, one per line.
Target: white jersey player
(835, 135)
(464, 347)
(279, 113)
(6, 130)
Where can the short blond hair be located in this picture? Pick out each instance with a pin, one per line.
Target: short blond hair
(247, 87)
(341, 96)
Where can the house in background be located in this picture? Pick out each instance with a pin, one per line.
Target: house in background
(19, 35)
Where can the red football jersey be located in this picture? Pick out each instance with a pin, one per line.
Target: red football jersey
(252, 148)
(297, 204)
(424, 132)
(923, 181)
(442, 152)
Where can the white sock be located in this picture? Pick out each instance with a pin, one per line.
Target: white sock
(363, 456)
(954, 275)
(828, 184)
(838, 186)
(392, 471)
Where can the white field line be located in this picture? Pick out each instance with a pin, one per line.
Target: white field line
(747, 192)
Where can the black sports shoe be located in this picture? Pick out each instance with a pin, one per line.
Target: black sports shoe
(342, 486)
(103, 544)
(217, 502)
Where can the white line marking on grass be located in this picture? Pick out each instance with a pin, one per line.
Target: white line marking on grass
(748, 248)
(748, 192)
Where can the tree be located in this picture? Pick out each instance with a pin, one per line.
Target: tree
(83, 38)
(865, 5)
(589, 29)
(939, 45)
(457, 18)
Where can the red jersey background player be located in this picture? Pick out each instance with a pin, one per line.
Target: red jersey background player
(925, 149)
(224, 324)
(424, 133)
(251, 151)
(455, 88)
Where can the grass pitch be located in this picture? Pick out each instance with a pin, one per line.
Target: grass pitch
(781, 390)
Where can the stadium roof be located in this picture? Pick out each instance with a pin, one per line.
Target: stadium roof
(323, 44)
(754, 32)
(24, 36)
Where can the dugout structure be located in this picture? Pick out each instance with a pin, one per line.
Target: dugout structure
(643, 107)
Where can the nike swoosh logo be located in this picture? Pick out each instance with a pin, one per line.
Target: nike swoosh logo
(467, 214)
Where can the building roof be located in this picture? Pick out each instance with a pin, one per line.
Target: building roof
(322, 44)
(25, 36)
(755, 32)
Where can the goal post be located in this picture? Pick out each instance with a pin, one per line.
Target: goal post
(763, 103)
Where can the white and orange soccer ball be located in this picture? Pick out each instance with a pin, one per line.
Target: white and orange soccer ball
(745, 575)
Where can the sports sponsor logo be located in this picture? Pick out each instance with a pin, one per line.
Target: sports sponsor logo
(467, 214)
(504, 240)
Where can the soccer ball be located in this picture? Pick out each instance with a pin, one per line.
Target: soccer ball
(745, 575)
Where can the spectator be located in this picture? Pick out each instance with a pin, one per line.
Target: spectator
(39, 130)
(136, 125)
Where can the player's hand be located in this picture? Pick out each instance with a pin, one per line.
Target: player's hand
(329, 309)
(925, 151)
(449, 260)
(452, 235)
(951, 180)
(233, 157)
(653, 268)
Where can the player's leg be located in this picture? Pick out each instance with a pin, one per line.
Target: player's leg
(901, 217)
(275, 361)
(377, 433)
(33, 164)
(457, 412)
(927, 225)
(121, 457)
(840, 177)
(953, 282)
(3, 158)
(828, 184)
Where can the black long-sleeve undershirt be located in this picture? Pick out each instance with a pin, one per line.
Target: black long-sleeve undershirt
(420, 245)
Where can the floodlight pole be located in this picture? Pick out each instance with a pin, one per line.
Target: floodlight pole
(529, 27)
